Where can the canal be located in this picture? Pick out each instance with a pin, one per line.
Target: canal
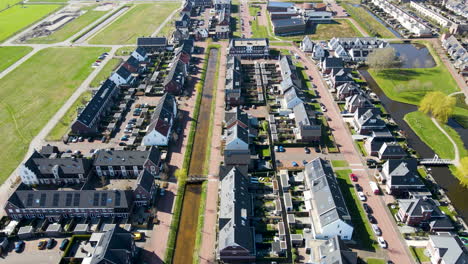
(186, 234)
(379, 20)
(443, 176)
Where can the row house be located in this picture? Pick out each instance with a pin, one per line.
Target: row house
(289, 75)
(355, 49)
(233, 82)
(459, 7)
(152, 44)
(458, 53)
(433, 15)
(159, 131)
(175, 79)
(223, 24)
(306, 130)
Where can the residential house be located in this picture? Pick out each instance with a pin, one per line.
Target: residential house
(325, 202)
(152, 44)
(187, 8)
(307, 45)
(237, 150)
(236, 116)
(433, 15)
(88, 120)
(134, 66)
(345, 90)
(180, 34)
(223, 28)
(334, 250)
(357, 101)
(366, 120)
(175, 78)
(318, 53)
(341, 76)
(445, 249)
(391, 150)
(222, 4)
(355, 49)
(38, 169)
(415, 212)
(249, 47)
(202, 3)
(305, 130)
(122, 76)
(140, 54)
(289, 78)
(233, 81)
(144, 189)
(374, 143)
(330, 63)
(289, 101)
(127, 163)
(159, 131)
(236, 237)
(401, 176)
(183, 22)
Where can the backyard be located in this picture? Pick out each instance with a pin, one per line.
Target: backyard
(16, 18)
(141, 20)
(72, 27)
(33, 93)
(10, 55)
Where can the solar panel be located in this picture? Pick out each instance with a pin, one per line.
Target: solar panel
(29, 201)
(117, 199)
(43, 199)
(76, 199)
(68, 200)
(103, 199)
(96, 199)
(55, 200)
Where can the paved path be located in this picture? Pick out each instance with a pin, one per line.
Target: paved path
(456, 160)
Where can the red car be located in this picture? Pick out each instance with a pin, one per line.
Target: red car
(353, 177)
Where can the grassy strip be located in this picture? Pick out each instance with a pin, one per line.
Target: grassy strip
(106, 71)
(375, 261)
(362, 230)
(11, 55)
(258, 31)
(200, 223)
(367, 22)
(339, 163)
(125, 51)
(362, 149)
(170, 248)
(418, 254)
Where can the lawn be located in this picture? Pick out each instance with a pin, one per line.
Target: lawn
(18, 17)
(375, 261)
(63, 126)
(423, 126)
(32, 94)
(362, 230)
(10, 55)
(341, 28)
(141, 20)
(339, 163)
(54, 1)
(7, 3)
(72, 27)
(418, 253)
(125, 51)
(258, 31)
(448, 212)
(106, 71)
(366, 21)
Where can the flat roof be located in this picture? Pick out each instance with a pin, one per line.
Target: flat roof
(287, 199)
(288, 22)
(284, 177)
(280, 4)
(250, 42)
(281, 228)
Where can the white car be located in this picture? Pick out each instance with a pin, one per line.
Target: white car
(376, 229)
(362, 197)
(382, 242)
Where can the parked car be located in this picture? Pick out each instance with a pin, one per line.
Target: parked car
(382, 242)
(50, 243)
(353, 177)
(306, 150)
(19, 246)
(362, 197)
(42, 244)
(372, 219)
(64, 244)
(125, 137)
(137, 236)
(294, 164)
(304, 162)
(281, 149)
(376, 230)
(367, 208)
(358, 187)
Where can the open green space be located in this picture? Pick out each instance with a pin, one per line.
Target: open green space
(258, 31)
(375, 261)
(10, 55)
(418, 254)
(339, 163)
(16, 18)
(367, 22)
(63, 126)
(141, 20)
(341, 28)
(7, 3)
(106, 71)
(423, 126)
(32, 93)
(448, 212)
(72, 27)
(362, 230)
(50, 1)
(125, 51)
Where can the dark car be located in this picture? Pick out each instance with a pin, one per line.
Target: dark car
(358, 187)
(50, 243)
(307, 150)
(367, 208)
(372, 219)
(64, 244)
(317, 149)
(19, 246)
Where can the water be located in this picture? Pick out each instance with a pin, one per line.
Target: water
(414, 55)
(442, 175)
(380, 21)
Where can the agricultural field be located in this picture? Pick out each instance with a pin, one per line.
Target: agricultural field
(18, 17)
(72, 27)
(33, 93)
(10, 55)
(141, 20)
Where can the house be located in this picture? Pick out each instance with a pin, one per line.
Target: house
(236, 116)
(289, 26)
(127, 163)
(318, 52)
(334, 250)
(222, 4)
(122, 76)
(236, 150)
(391, 150)
(433, 15)
(39, 169)
(249, 47)
(56, 204)
(373, 143)
(289, 78)
(345, 90)
(317, 17)
(290, 99)
(330, 63)
(307, 45)
(140, 54)
(187, 8)
(357, 101)
(152, 44)
(305, 130)
(341, 76)
(279, 6)
(175, 78)
(415, 212)
(233, 81)
(88, 120)
(445, 249)
(356, 49)
(366, 120)
(159, 131)
(443, 224)
(144, 189)
(116, 246)
(401, 176)
(134, 66)
(325, 202)
(183, 22)
(236, 242)
(180, 34)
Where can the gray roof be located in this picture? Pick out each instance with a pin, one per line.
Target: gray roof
(235, 211)
(331, 62)
(402, 172)
(280, 4)
(392, 149)
(115, 246)
(176, 73)
(324, 188)
(237, 132)
(451, 249)
(152, 41)
(145, 180)
(415, 207)
(236, 114)
(127, 157)
(335, 251)
(370, 119)
(277, 23)
(93, 107)
(288, 74)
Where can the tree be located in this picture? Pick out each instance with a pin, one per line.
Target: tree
(462, 171)
(438, 105)
(380, 59)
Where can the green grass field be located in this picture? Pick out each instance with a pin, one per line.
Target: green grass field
(339, 163)
(418, 254)
(375, 261)
(51, 1)
(106, 71)
(366, 21)
(32, 94)
(71, 28)
(7, 3)
(10, 55)
(141, 20)
(63, 126)
(17, 17)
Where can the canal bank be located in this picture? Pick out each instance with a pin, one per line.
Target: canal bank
(442, 175)
(186, 232)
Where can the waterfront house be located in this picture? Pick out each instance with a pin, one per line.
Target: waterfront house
(159, 131)
(401, 176)
(366, 120)
(330, 63)
(391, 150)
(415, 212)
(446, 248)
(345, 90)
(357, 101)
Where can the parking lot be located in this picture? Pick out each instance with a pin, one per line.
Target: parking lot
(299, 155)
(31, 254)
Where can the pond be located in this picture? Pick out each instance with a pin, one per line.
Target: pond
(414, 55)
